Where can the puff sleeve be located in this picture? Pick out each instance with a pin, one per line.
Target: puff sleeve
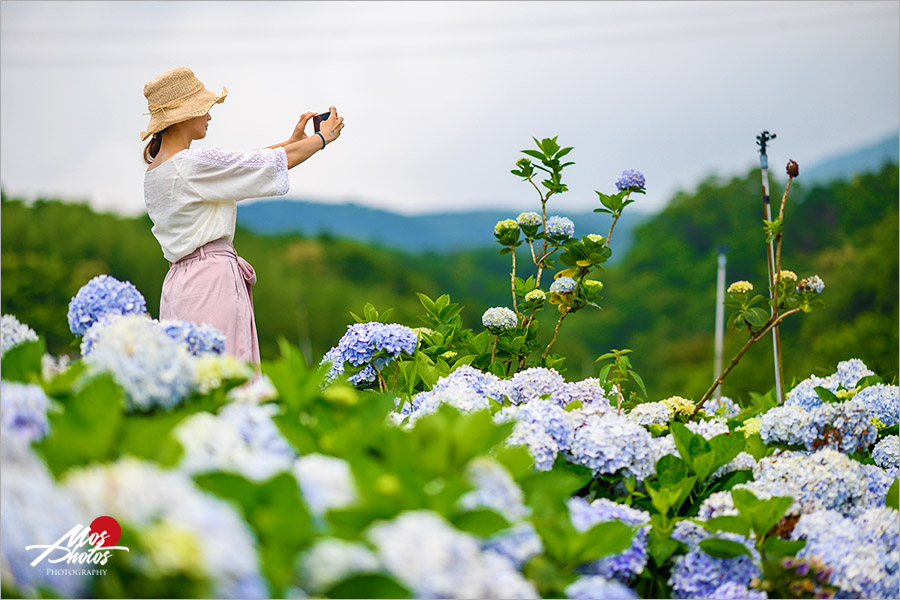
(219, 175)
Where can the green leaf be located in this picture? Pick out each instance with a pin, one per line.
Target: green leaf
(481, 522)
(868, 380)
(776, 547)
(826, 395)
(639, 381)
(661, 547)
(757, 317)
(87, 428)
(719, 548)
(726, 446)
(733, 524)
(893, 497)
(763, 514)
(603, 539)
(368, 585)
(670, 470)
(22, 363)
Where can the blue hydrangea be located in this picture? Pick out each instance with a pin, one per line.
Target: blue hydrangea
(787, 424)
(597, 587)
(326, 482)
(482, 383)
(519, 543)
(499, 319)
(882, 401)
(862, 551)
(198, 338)
(23, 411)
(626, 564)
(561, 285)
(13, 333)
(650, 413)
(849, 372)
(494, 489)
(458, 393)
(610, 443)
(845, 426)
(154, 369)
(529, 219)
(103, 295)
(699, 575)
(532, 383)
(804, 393)
(542, 426)
(560, 227)
(825, 479)
(631, 180)
(732, 590)
(721, 407)
(587, 391)
(886, 453)
(369, 345)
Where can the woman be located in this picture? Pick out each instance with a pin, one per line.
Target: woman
(191, 197)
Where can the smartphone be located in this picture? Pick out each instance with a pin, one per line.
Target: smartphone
(317, 120)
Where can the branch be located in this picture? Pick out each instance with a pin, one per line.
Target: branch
(512, 280)
(555, 334)
(773, 322)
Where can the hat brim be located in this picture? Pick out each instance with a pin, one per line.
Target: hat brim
(195, 106)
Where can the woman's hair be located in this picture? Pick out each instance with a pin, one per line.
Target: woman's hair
(152, 147)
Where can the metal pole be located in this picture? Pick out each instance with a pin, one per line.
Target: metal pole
(720, 319)
(761, 140)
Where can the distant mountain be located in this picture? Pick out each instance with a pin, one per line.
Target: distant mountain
(867, 159)
(438, 232)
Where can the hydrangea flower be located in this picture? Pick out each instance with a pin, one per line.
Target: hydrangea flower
(849, 372)
(13, 333)
(626, 564)
(721, 407)
(505, 227)
(680, 407)
(465, 388)
(650, 413)
(242, 439)
(804, 393)
(740, 287)
(631, 180)
(886, 453)
(370, 345)
(519, 543)
(23, 411)
(587, 391)
(845, 426)
(153, 368)
(532, 383)
(598, 587)
(256, 391)
(787, 276)
(529, 219)
(499, 319)
(610, 443)
(811, 284)
(738, 591)
(862, 551)
(326, 482)
(198, 339)
(185, 530)
(434, 560)
(882, 401)
(494, 488)
(751, 426)
(560, 227)
(542, 426)
(562, 285)
(103, 295)
(699, 575)
(211, 371)
(36, 510)
(329, 560)
(535, 296)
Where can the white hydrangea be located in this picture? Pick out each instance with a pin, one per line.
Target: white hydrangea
(154, 502)
(331, 560)
(650, 413)
(326, 482)
(494, 488)
(13, 333)
(423, 551)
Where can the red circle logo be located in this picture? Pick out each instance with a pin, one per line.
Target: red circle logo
(110, 526)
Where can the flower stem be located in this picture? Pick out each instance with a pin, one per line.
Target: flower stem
(512, 279)
(773, 322)
(494, 349)
(555, 334)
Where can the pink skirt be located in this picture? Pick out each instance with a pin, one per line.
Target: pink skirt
(212, 285)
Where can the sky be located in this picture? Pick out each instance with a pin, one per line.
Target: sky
(440, 98)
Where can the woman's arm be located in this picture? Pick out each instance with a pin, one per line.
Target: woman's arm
(299, 150)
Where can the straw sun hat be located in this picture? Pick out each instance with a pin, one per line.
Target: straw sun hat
(177, 96)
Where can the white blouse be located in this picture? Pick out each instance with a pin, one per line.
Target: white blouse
(192, 197)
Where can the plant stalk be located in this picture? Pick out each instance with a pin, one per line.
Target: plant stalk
(555, 334)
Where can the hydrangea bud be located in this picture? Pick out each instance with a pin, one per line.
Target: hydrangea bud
(535, 296)
(740, 287)
(506, 226)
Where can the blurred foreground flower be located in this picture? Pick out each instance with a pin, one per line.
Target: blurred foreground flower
(13, 333)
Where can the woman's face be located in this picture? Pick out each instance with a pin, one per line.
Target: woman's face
(196, 127)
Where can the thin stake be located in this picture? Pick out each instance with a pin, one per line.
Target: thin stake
(761, 140)
(720, 317)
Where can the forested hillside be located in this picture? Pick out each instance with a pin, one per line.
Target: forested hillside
(659, 299)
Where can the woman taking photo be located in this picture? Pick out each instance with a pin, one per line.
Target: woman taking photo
(191, 197)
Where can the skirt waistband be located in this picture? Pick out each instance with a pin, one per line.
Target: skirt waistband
(219, 247)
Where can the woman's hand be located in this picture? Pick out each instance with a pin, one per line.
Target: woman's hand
(331, 127)
(299, 130)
